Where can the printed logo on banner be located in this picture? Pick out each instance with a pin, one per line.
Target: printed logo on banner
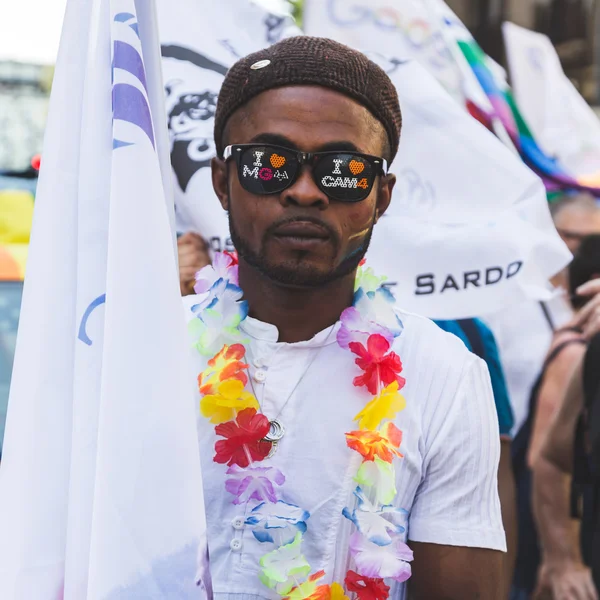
(191, 111)
(415, 30)
(275, 26)
(413, 194)
(428, 284)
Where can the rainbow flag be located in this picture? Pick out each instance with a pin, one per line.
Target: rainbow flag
(491, 78)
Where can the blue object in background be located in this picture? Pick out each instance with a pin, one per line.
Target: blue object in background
(10, 306)
(487, 350)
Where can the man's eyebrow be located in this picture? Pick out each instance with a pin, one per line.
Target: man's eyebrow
(273, 138)
(281, 140)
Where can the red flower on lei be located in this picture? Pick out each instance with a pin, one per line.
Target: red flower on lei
(367, 588)
(244, 442)
(233, 256)
(379, 367)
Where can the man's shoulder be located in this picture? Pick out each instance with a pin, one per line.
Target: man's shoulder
(426, 339)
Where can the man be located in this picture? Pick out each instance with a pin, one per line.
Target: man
(564, 574)
(299, 249)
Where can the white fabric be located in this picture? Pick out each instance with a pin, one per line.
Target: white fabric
(560, 119)
(447, 479)
(200, 40)
(100, 484)
(461, 190)
(523, 335)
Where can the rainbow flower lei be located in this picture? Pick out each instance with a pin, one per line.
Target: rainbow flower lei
(368, 329)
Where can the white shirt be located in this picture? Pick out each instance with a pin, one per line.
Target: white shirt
(447, 479)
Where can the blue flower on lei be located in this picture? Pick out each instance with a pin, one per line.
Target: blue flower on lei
(376, 524)
(277, 523)
(218, 318)
(378, 308)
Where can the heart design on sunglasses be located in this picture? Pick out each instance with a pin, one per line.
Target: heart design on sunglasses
(356, 167)
(277, 161)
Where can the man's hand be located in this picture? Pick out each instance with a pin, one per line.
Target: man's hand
(588, 318)
(566, 580)
(193, 255)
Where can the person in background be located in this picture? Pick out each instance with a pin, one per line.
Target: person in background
(524, 332)
(193, 254)
(479, 339)
(566, 469)
(565, 353)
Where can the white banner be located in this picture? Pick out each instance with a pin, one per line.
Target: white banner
(100, 484)
(560, 119)
(468, 230)
(200, 40)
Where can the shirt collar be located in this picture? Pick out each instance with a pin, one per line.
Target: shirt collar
(266, 332)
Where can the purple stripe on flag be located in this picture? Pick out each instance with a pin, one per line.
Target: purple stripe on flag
(122, 17)
(126, 57)
(129, 104)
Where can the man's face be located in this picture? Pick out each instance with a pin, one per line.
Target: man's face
(301, 236)
(574, 223)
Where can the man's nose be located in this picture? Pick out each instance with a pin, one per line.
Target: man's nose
(304, 192)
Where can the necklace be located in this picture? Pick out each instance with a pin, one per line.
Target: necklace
(368, 329)
(276, 427)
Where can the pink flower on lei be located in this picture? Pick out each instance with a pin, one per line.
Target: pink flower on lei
(223, 266)
(254, 483)
(357, 329)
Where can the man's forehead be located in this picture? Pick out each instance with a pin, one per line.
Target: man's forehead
(311, 115)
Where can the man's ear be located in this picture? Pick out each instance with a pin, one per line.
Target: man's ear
(218, 168)
(384, 194)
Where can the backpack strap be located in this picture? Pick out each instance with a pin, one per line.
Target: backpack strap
(471, 330)
(548, 316)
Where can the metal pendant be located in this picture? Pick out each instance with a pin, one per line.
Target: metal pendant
(273, 449)
(276, 431)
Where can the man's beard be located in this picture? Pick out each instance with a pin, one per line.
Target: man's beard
(296, 272)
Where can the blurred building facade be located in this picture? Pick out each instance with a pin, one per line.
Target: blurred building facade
(572, 25)
(24, 90)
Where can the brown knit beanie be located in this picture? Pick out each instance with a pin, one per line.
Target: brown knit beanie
(305, 60)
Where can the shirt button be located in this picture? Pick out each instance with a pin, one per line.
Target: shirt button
(235, 545)
(259, 363)
(260, 376)
(238, 523)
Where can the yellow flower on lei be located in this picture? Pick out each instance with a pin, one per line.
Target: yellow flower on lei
(385, 406)
(230, 399)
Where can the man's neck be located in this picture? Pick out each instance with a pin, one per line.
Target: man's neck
(298, 313)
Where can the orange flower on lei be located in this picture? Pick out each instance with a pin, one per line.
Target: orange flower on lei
(309, 590)
(226, 364)
(384, 443)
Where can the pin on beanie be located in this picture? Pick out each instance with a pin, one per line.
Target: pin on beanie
(305, 60)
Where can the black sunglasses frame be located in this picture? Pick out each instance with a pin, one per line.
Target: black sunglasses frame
(378, 164)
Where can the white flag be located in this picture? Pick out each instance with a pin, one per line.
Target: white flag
(100, 484)
(561, 120)
(200, 40)
(468, 230)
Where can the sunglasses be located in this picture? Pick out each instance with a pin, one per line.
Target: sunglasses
(269, 169)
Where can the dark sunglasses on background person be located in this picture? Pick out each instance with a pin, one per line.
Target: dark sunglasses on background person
(346, 176)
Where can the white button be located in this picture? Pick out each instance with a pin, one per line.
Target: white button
(238, 523)
(259, 363)
(260, 376)
(235, 545)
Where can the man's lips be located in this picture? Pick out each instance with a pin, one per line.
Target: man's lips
(302, 230)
